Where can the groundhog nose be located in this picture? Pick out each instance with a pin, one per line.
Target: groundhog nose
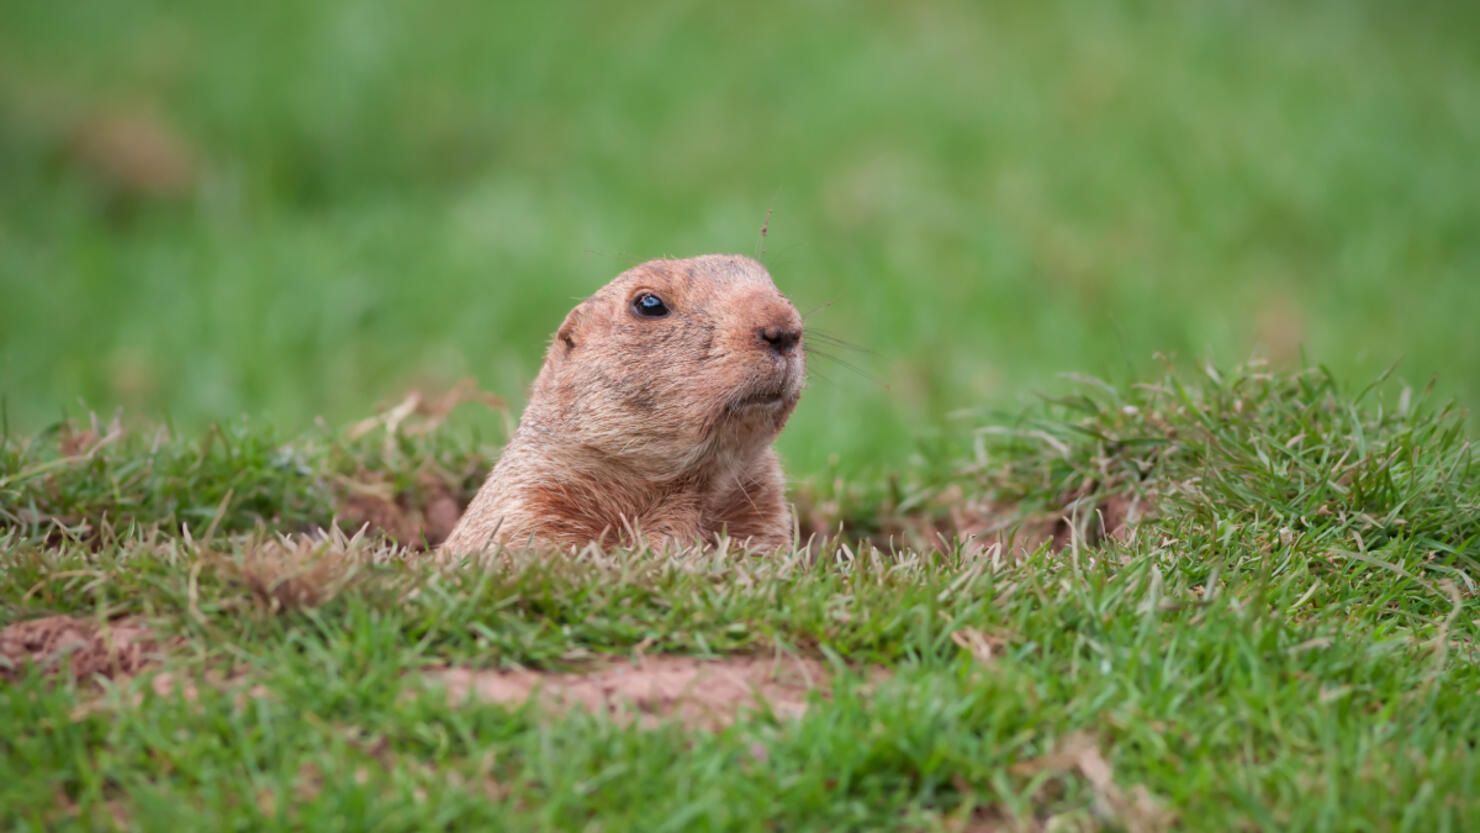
(781, 339)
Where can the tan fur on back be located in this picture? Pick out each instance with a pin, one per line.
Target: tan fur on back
(653, 428)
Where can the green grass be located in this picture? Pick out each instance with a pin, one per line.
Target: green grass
(390, 195)
(1288, 642)
(368, 198)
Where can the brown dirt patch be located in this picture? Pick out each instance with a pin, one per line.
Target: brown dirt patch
(650, 689)
(424, 516)
(1112, 517)
(1087, 516)
(79, 647)
(136, 153)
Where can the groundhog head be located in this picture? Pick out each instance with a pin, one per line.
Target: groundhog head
(675, 362)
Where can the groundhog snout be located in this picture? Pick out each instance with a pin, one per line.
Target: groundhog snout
(782, 339)
(778, 328)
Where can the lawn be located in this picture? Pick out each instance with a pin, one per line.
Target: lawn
(1069, 560)
(1282, 636)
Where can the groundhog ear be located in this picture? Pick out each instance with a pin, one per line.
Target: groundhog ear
(566, 338)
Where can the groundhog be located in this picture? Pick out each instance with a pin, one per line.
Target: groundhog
(652, 419)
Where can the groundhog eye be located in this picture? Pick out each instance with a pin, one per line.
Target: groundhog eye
(649, 305)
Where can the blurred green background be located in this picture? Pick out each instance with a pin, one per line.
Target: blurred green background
(292, 210)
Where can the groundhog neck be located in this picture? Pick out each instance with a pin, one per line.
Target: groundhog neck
(561, 490)
(575, 441)
(531, 456)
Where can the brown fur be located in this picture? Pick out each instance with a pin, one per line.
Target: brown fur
(648, 430)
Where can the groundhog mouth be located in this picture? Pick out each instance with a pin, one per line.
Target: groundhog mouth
(767, 394)
(764, 399)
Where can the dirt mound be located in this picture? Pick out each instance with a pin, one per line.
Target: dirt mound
(1087, 516)
(422, 517)
(1112, 517)
(79, 647)
(702, 693)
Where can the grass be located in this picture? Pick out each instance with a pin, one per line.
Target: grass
(245, 230)
(1287, 641)
(371, 197)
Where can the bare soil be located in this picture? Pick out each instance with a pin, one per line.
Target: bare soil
(423, 517)
(699, 693)
(651, 689)
(77, 647)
